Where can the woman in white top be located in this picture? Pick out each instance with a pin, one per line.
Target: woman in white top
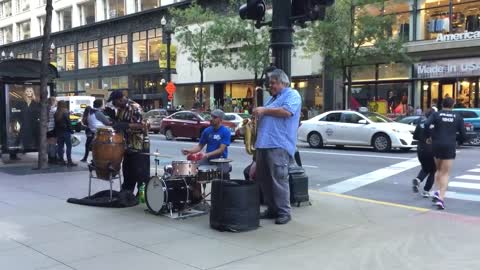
(94, 119)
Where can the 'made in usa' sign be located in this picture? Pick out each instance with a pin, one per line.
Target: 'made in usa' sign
(448, 68)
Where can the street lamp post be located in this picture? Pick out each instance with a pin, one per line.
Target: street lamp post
(168, 28)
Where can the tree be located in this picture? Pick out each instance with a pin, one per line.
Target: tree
(353, 34)
(44, 77)
(196, 37)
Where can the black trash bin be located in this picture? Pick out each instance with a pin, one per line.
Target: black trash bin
(235, 205)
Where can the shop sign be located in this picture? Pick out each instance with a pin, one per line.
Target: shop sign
(458, 37)
(448, 68)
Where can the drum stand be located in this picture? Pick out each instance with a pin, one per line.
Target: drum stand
(118, 175)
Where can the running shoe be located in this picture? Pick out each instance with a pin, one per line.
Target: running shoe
(436, 196)
(440, 204)
(415, 184)
(425, 194)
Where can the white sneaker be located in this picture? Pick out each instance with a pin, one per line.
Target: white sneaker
(425, 194)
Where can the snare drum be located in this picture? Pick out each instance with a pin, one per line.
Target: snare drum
(184, 168)
(207, 173)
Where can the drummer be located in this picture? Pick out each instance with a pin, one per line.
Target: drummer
(217, 138)
(128, 120)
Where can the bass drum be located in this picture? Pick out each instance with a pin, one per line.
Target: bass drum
(162, 195)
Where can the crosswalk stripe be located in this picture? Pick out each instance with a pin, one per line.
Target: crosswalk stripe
(469, 177)
(462, 196)
(474, 170)
(464, 185)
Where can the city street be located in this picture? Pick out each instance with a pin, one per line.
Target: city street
(358, 172)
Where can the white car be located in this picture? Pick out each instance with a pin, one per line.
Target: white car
(355, 128)
(237, 119)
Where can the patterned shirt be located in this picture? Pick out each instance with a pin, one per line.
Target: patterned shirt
(132, 113)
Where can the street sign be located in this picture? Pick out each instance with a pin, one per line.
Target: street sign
(170, 88)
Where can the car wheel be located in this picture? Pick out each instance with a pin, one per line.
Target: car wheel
(381, 143)
(169, 134)
(475, 141)
(315, 140)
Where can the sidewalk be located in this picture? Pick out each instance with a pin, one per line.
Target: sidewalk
(40, 230)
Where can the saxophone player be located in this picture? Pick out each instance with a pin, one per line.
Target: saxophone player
(275, 145)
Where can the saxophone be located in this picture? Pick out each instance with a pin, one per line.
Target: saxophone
(250, 135)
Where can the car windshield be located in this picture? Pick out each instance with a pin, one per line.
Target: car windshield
(376, 118)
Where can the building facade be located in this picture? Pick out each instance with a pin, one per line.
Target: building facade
(443, 40)
(119, 44)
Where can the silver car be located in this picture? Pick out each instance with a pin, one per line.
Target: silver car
(154, 119)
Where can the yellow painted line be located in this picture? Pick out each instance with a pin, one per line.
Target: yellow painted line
(419, 209)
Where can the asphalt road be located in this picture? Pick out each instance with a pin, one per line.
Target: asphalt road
(358, 172)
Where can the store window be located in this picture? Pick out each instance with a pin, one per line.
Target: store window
(65, 86)
(88, 54)
(383, 98)
(87, 85)
(115, 8)
(396, 6)
(87, 12)
(5, 9)
(115, 82)
(147, 45)
(400, 26)
(395, 71)
(465, 17)
(433, 19)
(25, 55)
(115, 50)
(149, 4)
(42, 3)
(23, 5)
(311, 92)
(23, 30)
(65, 19)
(66, 58)
(6, 35)
(363, 73)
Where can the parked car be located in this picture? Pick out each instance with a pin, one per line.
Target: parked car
(354, 128)
(189, 124)
(154, 119)
(472, 116)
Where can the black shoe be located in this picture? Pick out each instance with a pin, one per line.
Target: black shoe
(283, 220)
(83, 160)
(71, 164)
(267, 214)
(61, 162)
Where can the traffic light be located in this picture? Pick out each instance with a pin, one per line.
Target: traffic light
(310, 10)
(253, 10)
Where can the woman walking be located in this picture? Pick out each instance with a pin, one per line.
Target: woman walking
(425, 156)
(444, 133)
(64, 131)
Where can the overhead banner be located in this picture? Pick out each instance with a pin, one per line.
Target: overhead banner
(162, 61)
(448, 68)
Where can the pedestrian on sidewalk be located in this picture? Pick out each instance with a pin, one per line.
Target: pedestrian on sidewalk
(425, 156)
(276, 144)
(444, 141)
(94, 118)
(64, 131)
(51, 136)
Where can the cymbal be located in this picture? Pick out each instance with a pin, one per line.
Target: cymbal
(221, 160)
(156, 154)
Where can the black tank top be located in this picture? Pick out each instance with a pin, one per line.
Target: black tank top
(446, 125)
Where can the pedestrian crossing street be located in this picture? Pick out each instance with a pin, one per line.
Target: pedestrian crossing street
(466, 186)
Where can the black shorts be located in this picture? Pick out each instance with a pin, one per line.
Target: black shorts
(444, 151)
(51, 134)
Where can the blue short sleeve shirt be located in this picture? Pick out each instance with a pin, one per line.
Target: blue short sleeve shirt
(214, 138)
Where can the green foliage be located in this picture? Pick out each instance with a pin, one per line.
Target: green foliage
(354, 34)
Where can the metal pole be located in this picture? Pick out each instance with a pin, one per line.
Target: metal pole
(169, 41)
(281, 35)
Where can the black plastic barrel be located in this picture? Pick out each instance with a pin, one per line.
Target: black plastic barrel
(235, 205)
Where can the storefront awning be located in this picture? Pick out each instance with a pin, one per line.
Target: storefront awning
(24, 69)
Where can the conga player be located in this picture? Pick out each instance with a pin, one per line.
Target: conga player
(128, 120)
(217, 139)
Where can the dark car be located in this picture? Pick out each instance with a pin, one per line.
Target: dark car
(188, 124)
(154, 119)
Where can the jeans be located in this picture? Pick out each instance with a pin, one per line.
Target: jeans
(62, 140)
(88, 144)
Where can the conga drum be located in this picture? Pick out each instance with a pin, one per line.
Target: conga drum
(108, 148)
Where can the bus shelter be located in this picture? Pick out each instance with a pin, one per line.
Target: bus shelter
(20, 103)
